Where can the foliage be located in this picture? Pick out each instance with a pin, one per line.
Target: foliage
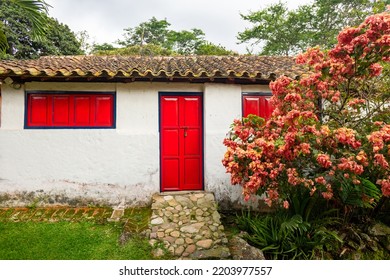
(154, 37)
(157, 33)
(328, 131)
(284, 236)
(3, 40)
(18, 27)
(151, 32)
(102, 47)
(185, 42)
(278, 28)
(35, 11)
(151, 50)
(148, 50)
(208, 48)
(84, 41)
(280, 31)
(59, 40)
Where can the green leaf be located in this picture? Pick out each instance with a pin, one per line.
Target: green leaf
(352, 194)
(36, 11)
(3, 42)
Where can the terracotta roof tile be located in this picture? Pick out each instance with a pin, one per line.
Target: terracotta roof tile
(191, 67)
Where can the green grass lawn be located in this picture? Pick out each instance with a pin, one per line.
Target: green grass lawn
(83, 240)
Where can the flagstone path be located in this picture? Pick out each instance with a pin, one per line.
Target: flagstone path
(53, 214)
(188, 225)
(134, 219)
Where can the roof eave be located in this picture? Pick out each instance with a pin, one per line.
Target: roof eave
(20, 79)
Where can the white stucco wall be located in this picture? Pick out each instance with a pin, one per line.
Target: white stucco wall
(108, 166)
(221, 106)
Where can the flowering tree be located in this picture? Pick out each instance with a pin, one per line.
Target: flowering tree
(329, 131)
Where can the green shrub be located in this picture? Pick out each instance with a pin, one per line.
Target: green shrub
(282, 236)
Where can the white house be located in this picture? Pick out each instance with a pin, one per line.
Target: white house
(111, 130)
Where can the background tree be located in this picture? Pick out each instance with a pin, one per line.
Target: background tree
(147, 50)
(185, 42)
(84, 39)
(34, 10)
(151, 32)
(279, 31)
(57, 38)
(154, 37)
(208, 48)
(102, 47)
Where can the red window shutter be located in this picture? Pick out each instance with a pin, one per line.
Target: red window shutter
(70, 110)
(61, 106)
(251, 105)
(268, 108)
(103, 111)
(258, 105)
(82, 110)
(37, 110)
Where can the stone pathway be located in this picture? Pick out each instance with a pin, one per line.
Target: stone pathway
(188, 225)
(134, 219)
(53, 214)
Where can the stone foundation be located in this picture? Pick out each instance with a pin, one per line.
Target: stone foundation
(189, 226)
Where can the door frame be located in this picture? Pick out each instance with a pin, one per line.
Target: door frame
(180, 93)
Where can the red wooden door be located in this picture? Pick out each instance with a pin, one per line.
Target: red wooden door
(181, 152)
(258, 105)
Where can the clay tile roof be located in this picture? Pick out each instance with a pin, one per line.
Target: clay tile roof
(104, 68)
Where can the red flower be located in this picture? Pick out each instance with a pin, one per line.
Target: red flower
(385, 186)
(375, 69)
(381, 161)
(324, 160)
(345, 37)
(320, 180)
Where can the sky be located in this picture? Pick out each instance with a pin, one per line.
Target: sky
(104, 20)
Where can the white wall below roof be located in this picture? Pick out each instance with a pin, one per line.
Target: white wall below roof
(222, 105)
(109, 166)
(100, 164)
(105, 166)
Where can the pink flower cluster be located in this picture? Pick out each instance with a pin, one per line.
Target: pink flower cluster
(346, 136)
(385, 186)
(324, 160)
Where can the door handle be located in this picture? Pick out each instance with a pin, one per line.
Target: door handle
(185, 131)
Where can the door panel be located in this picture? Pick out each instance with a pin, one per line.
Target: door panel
(181, 133)
(169, 178)
(170, 147)
(171, 106)
(191, 109)
(192, 145)
(191, 173)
